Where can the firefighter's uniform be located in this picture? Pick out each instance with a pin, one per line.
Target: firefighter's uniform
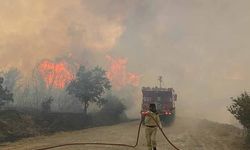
(151, 128)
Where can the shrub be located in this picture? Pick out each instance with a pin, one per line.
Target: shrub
(241, 111)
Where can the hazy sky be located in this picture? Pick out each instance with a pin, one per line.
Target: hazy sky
(201, 47)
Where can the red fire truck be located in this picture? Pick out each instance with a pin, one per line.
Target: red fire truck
(164, 98)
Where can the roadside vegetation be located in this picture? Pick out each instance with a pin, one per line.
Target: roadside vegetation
(35, 109)
(240, 109)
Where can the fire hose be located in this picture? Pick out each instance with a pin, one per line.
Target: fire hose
(115, 144)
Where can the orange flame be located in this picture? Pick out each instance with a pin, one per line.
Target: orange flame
(118, 74)
(56, 75)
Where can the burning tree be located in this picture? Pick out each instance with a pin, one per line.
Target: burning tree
(55, 74)
(89, 86)
(5, 95)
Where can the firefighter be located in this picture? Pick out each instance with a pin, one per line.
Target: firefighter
(151, 126)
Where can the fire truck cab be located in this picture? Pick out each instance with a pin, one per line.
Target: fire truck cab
(163, 98)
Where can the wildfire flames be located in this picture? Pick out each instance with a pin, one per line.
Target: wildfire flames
(58, 74)
(55, 74)
(118, 74)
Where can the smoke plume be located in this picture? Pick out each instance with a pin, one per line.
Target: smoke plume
(200, 47)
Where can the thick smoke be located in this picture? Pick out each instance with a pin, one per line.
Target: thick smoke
(34, 30)
(44, 34)
(200, 47)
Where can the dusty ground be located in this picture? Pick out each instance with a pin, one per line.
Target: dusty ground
(187, 134)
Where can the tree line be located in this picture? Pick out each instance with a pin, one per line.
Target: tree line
(88, 86)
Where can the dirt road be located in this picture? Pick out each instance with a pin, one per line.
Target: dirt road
(187, 134)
